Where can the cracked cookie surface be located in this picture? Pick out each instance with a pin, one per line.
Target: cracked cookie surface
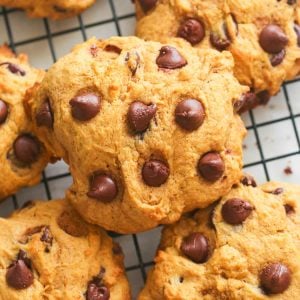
(49, 252)
(54, 9)
(22, 156)
(137, 120)
(263, 36)
(244, 247)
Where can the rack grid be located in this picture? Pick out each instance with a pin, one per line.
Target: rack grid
(271, 149)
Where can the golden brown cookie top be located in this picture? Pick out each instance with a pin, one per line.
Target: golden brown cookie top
(263, 36)
(246, 246)
(49, 252)
(137, 120)
(54, 9)
(22, 156)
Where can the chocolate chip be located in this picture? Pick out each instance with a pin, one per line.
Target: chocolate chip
(289, 209)
(3, 111)
(13, 68)
(19, 275)
(275, 278)
(27, 149)
(211, 166)
(47, 238)
(246, 102)
(189, 114)
(95, 292)
(278, 191)
(155, 172)
(170, 58)
(113, 48)
(235, 211)
(191, 30)
(196, 247)
(263, 97)
(103, 188)
(219, 42)
(297, 30)
(44, 116)
(272, 39)
(277, 58)
(291, 2)
(140, 115)
(147, 4)
(248, 181)
(85, 106)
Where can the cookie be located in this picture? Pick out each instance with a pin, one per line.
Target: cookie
(263, 36)
(138, 120)
(49, 252)
(54, 9)
(22, 156)
(245, 247)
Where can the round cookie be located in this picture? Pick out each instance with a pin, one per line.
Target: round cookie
(138, 120)
(54, 9)
(22, 156)
(244, 247)
(263, 36)
(49, 252)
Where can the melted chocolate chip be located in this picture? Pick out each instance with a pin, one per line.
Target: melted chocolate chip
(85, 106)
(147, 4)
(219, 42)
(277, 58)
(155, 172)
(27, 149)
(13, 68)
(47, 236)
(291, 2)
(192, 30)
(248, 181)
(275, 278)
(235, 211)
(289, 209)
(44, 116)
(170, 58)
(3, 111)
(113, 48)
(211, 166)
(189, 114)
(263, 97)
(140, 115)
(246, 102)
(278, 191)
(95, 292)
(297, 30)
(272, 39)
(196, 247)
(19, 275)
(103, 188)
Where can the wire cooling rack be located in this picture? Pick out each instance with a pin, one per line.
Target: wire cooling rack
(271, 149)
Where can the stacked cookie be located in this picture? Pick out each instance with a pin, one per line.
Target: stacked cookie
(152, 134)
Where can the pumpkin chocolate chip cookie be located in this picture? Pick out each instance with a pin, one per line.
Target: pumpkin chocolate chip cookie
(138, 120)
(49, 252)
(54, 9)
(244, 247)
(22, 156)
(263, 36)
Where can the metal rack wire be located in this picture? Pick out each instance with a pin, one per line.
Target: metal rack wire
(273, 142)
